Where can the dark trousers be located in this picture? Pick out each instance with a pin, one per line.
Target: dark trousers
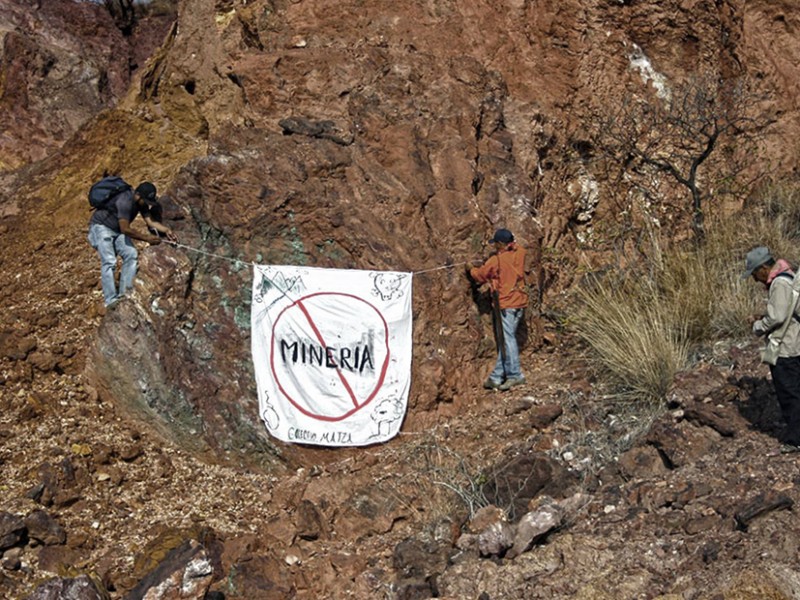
(786, 378)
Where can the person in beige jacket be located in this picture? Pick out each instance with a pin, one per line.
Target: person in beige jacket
(777, 276)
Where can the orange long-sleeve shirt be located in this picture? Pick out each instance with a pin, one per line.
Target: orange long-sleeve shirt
(505, 273)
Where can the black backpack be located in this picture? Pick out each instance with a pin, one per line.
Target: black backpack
(105, 190)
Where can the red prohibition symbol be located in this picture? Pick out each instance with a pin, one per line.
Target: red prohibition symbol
(357, 308)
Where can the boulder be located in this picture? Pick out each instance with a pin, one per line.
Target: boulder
(44, 528)
(496, 539)
(513, 482)
(533, 526)
(12, 530)
(78, 588)
(185, 573)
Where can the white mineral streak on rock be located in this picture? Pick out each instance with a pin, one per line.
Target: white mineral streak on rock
(534, 525)
(588, 196)
(195, 574)
(639, 62)
(496, 539)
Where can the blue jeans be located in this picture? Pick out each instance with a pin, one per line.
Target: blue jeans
(508, 369)
(110, 244)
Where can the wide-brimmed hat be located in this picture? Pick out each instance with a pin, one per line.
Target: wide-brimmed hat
(754, 259)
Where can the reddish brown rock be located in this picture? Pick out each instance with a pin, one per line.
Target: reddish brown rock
(310, 522)
(706, 384)
(643, 462)
(262, 576)
(44, 528)
(186, 572)
(762, 503)
(512, 483)
(541, 417)
(681, 443)
(485, 516)
(59, 484)
(15, 348)
(12, 530)
(79, 588)
(57, 559)
(43, 361)
(53, 88)
(697, 525)
(367, 512)
(725, 420)
(131, 452)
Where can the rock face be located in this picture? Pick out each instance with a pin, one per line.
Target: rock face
(60, 64)
(79, 588)
(356, 134)
(358, 137)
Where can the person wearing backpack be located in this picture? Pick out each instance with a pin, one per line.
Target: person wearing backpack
(116, 206)
(778, 277)
(504, 271)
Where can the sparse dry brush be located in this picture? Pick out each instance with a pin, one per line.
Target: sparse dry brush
(642, 329)
(439, 479)
(637, 343)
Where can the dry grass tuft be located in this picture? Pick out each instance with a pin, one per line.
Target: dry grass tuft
(641, 330)
(637, 343)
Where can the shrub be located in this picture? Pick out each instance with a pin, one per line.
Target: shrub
(642, 329)
(637, 342)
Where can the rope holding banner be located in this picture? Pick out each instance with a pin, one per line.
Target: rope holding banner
(198, 251)
(439, 268)
(242, 262)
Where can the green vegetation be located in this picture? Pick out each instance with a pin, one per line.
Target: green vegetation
(642, 326)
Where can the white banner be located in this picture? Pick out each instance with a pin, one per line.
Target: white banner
(332, 353)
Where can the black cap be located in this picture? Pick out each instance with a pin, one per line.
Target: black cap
(504, 236)
(147, 192)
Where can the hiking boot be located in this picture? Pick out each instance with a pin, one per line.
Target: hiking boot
(491, 384)
(789, 449)
(511, 383)
(114, 303)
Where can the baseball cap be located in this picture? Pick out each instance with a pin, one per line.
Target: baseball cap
(147, 191)
(504, 236)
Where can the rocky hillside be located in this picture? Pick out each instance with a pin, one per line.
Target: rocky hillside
(362, 135)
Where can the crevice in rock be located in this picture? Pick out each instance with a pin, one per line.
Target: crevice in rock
(664, 458)
(151, 78)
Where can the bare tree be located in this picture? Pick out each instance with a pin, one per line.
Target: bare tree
(676, 131)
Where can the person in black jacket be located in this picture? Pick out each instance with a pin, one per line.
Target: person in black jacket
(110, 233)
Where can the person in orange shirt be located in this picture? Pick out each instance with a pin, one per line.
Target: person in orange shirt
(504, 272)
